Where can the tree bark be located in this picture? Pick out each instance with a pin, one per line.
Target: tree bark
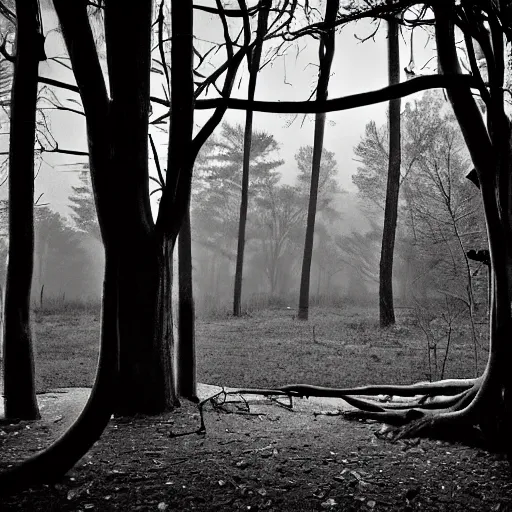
(174, 206)
(186, 383)
(254, 65)
(326, 53)
(387, 312)
(118, 152)
(144, 387)
(19, 386)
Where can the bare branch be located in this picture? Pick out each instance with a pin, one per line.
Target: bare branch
(161, 180)
(400, 90)
(64, 151)
(58, 83)
(7, 13)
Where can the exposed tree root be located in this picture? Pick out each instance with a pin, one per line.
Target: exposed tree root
(424, 402)
(452, 417)
(442, 387)
(437, 409)
(446, 409)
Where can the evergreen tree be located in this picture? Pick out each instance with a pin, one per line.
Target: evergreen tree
(82, 204)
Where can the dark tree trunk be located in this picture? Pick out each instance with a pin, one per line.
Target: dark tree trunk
(387, 312)
(186, 370)
(165, 323)
(490, 152)
(52, 463)
(144, 385)
(176, 196)
(237, 296)
(118, 151)
(55, 461)
(310, 226)
(19, 387)
(326, 53)
(254, 65)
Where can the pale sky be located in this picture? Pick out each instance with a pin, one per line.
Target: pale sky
(357, 67)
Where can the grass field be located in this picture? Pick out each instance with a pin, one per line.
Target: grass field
(336, 347)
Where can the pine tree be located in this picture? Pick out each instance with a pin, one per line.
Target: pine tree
(82, 204)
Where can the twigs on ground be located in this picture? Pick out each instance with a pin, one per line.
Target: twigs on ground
(429, 405)
(220, 400)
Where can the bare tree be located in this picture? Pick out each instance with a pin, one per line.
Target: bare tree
(387, 312)
(135, 366)
(19, 388)
(253, 62)
(326, 54)
(180, 147)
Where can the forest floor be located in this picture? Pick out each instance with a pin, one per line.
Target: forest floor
(265, 457)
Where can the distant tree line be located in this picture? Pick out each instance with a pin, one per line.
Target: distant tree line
(66, 266)
(276, 214)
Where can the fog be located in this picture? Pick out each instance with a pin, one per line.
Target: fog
(68, 256)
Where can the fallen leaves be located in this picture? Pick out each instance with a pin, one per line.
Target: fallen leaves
(329, 503)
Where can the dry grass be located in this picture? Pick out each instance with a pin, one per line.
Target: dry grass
(268, 348)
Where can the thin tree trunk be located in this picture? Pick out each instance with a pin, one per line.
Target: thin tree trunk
(387, 312)
(186, 354)
(237, 296)
(319, 281)
(326, 53)
(254, 65)
(19, 386)
(174, 213)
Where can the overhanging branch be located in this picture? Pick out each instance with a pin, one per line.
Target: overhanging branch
(420, 83)
(400, 90)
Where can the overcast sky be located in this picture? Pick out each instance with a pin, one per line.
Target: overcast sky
(357, 67)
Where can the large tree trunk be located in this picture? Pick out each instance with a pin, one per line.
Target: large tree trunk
(19, 387)
(186, 383)
(145, 387)
(490, 151)
(146, 376)
(118, 151)
(387, 312)
(254, 65)
(326, 52)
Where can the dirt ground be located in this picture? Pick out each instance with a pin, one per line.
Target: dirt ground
(255, 456)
